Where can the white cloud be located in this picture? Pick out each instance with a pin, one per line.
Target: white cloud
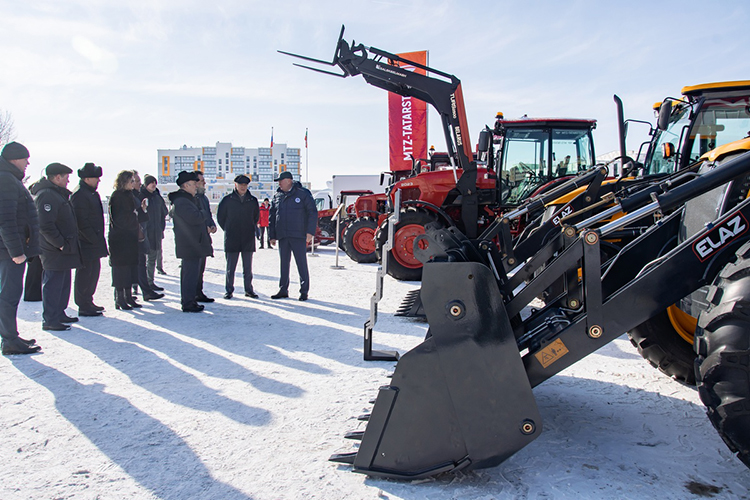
(101, 59)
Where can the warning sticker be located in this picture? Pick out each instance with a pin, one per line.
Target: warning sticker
(551, 353)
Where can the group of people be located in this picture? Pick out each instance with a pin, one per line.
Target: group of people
(67, 230)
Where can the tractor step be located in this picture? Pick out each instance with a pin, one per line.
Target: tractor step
(411, 306)
(459, 400)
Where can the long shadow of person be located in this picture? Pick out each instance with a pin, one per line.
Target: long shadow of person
(165, 380)
(146, 449)
(196, 357)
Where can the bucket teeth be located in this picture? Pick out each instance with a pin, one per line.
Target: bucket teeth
(343, 458)
(356, 435)
(411, 306)
(364, 417)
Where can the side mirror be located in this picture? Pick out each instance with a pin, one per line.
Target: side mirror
(665, 110)
(484, 141)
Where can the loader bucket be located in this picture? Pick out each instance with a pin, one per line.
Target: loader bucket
(460, 399)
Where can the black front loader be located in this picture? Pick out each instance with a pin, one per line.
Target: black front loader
(463, 399)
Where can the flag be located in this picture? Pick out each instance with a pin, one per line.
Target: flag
(305, 138)
(272, 137)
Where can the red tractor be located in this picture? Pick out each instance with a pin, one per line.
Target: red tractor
(533, 155)
(358, 224)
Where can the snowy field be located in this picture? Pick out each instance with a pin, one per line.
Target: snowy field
(248, 400)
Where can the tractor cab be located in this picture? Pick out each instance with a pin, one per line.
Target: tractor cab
(708, 116)
(533, 154)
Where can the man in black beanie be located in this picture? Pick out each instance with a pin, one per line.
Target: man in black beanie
(59, 242)
(19, 239)
(90, 217)
(157, 212)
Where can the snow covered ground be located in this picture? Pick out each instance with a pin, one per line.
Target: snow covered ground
(248, 400)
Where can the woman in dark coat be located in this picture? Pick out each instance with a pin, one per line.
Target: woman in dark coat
(123, 239)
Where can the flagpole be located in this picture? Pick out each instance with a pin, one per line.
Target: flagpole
(307, 161)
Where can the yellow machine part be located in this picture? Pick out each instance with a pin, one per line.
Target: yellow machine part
(683, 323)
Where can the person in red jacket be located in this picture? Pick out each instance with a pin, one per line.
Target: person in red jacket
(263, 223)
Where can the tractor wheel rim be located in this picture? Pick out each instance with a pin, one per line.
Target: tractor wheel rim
(683, 323)
(364, 240)
(403, 245)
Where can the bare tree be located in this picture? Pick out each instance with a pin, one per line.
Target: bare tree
(7, 129)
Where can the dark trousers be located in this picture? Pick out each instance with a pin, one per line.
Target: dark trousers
(153, 262)
(260, 232)
(189, 274)
(143, 275)
(298, 247)
(201, 270)
(11, 288)
(32, 288)
(247, 270)
(55, 295)
(87, 278)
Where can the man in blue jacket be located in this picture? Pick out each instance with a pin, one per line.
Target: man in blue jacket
(292, 221)
(19, 240)
(59, 243)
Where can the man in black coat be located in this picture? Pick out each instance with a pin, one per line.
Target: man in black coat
(205, 207)
(157, 213)
(238, 215)
(192, 242)
(19, 240)
(143, 246)
(90, 218)
(59, 243)
(292, 221)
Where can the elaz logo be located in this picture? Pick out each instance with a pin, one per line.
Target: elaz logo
(564, 212)
(718, 238)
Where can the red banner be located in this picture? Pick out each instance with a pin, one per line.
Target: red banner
(407, 120)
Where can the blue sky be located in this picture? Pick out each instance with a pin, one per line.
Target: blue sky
(110, 82)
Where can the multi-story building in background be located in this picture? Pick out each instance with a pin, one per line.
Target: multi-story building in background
(221, 163)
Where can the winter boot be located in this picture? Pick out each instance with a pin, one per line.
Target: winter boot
(120, 301)
(130, 299)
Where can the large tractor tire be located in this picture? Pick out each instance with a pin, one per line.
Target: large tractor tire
(327, 230)
(342, 229)
(359, 240)
(402, 264)
(723, 348)
(666, 341)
